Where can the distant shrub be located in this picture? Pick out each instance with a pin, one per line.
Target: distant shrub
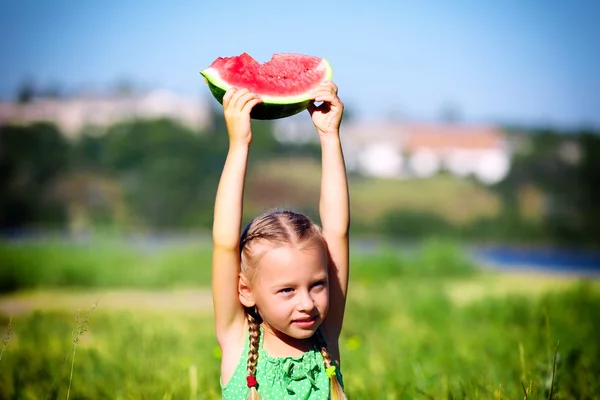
(411, 224)
(434, 257)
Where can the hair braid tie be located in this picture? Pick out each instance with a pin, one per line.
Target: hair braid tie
(330, 371)
(251, 381)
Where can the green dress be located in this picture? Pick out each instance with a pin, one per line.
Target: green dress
(301, 378)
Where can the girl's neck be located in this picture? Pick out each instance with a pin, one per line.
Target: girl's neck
(278, 344)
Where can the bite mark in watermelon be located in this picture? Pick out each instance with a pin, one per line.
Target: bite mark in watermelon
(283, 83)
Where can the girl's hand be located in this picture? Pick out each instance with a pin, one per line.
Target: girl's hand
(327, 116)
(237, 104)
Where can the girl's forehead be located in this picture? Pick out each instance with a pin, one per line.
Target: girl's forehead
(291, 261)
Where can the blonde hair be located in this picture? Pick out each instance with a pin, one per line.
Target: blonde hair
(280, 227)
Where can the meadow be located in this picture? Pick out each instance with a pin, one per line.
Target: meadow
(124, 320)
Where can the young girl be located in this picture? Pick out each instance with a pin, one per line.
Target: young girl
(279, 292)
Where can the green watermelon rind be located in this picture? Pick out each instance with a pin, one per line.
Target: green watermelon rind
(272, 107)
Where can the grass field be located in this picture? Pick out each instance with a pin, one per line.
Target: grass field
(426, 325)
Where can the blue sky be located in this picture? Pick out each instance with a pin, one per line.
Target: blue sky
(511, 61)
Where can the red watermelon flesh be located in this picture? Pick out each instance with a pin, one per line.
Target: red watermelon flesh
(283, 83)
(284, 75)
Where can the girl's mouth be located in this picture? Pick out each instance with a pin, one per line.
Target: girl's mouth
(305, 322)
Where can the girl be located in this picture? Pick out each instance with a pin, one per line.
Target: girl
(279, 292)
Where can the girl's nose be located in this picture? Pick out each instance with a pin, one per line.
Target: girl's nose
(305, 302)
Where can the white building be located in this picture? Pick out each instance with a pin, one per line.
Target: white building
(463, 150)
(415, 150)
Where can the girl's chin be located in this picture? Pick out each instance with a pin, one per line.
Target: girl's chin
(299, 335)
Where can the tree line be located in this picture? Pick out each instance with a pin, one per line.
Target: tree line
(160, 175)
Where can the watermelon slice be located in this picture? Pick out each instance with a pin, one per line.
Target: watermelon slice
(283, 83)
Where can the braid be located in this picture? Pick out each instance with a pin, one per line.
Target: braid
(323, 348)
(254, 332)
(337, 393)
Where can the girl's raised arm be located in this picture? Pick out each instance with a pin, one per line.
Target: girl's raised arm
(228, 310)
(334, 205)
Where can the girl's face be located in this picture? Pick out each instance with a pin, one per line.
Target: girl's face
(291, 289)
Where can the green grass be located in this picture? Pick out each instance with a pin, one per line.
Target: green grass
(103, 263)
(425, 325)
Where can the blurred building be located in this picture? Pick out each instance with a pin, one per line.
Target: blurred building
(417, 150)
(71, 115)
(479, 151)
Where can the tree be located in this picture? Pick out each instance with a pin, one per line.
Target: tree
(26, 92)
(32, 160)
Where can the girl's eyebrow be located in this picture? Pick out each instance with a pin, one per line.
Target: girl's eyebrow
(290, 284)
(281, 285)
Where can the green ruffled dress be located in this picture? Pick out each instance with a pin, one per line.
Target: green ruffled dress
(301, 378)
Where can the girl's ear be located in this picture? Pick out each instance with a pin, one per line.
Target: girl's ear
(245, 292)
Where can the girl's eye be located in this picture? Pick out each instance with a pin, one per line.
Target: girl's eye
(286, 291)
(319, 284)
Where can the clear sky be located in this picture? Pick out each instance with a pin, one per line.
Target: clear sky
(518, 61)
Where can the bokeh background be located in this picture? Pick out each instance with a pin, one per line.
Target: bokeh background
(471, 137)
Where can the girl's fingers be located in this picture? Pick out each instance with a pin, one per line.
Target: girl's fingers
(228, 95)
(243, 99)
(235, 100)
(327, 96)
(325, 87)
(318, 93)
(250, 105)
(331, 85)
